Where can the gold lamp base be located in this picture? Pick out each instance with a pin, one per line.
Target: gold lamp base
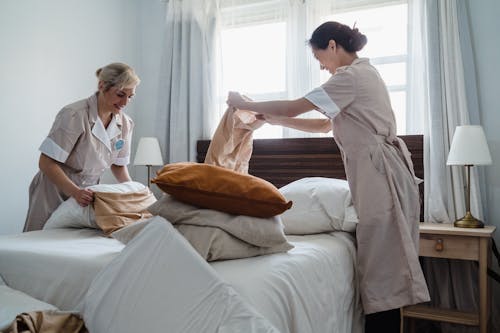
(468, 221)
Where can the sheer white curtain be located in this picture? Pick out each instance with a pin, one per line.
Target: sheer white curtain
(187, 80)
(442, 97)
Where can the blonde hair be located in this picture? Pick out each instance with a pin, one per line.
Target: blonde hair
(118, 75)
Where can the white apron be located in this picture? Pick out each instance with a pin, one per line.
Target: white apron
(85, 149)
(383, 186)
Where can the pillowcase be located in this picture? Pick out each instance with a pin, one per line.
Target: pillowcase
(214, 187)
(215, 244)
(113, 211)
(211, 243)
(320, 205)
(70, 214)
(257, 231)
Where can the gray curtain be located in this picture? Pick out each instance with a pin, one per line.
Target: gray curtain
(187, 78)
(442, 81)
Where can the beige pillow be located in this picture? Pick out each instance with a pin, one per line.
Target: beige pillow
(211, 243)
(116, 210)
(221, 189)
(253, 230)
(215, 244)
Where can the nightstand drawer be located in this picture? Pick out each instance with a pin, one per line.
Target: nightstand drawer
(451, 247)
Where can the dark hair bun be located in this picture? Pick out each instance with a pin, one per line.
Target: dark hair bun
(350, 39)
(357, 40)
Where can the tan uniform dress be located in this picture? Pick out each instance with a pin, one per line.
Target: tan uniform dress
(383, 186)
(85, 149)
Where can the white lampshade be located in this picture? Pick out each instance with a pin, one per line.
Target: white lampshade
(469, 147)
(148, 152)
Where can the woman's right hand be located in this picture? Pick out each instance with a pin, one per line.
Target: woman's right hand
(83, 196)
(235, 100)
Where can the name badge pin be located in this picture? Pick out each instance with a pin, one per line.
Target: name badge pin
(119, 144)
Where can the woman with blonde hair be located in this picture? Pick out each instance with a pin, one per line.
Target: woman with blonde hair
(86, 138)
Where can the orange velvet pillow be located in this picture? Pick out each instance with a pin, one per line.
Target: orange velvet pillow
(213, 187)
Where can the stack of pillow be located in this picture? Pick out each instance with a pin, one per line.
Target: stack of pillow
(222, 213)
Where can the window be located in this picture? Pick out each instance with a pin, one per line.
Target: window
(264, 53)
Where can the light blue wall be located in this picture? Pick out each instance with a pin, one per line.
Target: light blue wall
(485, 25)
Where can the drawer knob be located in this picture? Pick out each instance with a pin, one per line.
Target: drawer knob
(439, 245)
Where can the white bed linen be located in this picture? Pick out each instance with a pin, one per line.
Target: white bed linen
(308, 289)
(55, 266)
(160, 283)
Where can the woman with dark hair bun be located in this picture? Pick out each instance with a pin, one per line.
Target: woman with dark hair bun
(378, 168)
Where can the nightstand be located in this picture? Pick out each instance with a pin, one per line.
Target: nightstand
(446, 241)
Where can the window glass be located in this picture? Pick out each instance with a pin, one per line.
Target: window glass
(249, 51)
(385, 27)
(393, 74)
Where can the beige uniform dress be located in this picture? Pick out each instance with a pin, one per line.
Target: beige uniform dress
(85, 149)
(383, 186)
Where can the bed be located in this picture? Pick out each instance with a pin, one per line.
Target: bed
(311, 288)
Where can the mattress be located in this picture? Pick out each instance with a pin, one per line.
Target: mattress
(312, 288)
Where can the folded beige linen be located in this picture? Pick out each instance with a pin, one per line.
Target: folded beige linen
(47, 322)
(116, 210)
(232, 144)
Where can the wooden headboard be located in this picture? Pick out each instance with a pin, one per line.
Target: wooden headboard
(282, 161)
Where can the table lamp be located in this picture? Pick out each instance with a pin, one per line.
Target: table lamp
(148, 153)
(469, 148)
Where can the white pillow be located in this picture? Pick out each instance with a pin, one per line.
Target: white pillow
(70, 214)
(125, 187)
(319, 205)
(14, 302)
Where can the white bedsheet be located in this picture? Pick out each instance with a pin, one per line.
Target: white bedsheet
(308, 289)
(55, 266)
(159, 283)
